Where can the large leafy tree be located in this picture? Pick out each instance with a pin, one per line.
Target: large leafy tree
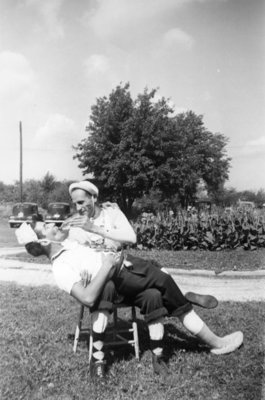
(136, 146)
(194, 154)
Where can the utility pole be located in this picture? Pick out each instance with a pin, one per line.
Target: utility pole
(21, 163)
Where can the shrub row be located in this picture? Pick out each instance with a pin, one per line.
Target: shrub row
(209, 232)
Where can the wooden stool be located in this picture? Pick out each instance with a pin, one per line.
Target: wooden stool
(118, 337)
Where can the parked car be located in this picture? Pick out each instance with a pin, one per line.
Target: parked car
(22, 212)
(57, 213)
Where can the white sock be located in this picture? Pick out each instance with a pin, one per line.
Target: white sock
(156, 332)
(98, 354)
(192, 322)
(99, 320)
(156, 329)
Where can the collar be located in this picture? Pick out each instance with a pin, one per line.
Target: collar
(97, 211)
(56, 255)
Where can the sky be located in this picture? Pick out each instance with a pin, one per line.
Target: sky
(58, 56)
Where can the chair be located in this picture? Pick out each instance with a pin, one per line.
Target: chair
(117, 332)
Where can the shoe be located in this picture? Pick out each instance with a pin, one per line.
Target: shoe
(97, 369)
(202, 300)
(159, 365)
(231, 343)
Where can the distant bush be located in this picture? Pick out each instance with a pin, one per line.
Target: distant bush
(192, 231)
(5, 210)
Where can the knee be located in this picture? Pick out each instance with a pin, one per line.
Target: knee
(152, 296)
(151, 305)
(110, 285)
(167, 279)
(109, 288)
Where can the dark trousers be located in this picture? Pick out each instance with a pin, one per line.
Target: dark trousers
(144, 285)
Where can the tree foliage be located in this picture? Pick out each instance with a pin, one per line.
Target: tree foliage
(137, 146)
(42, 192)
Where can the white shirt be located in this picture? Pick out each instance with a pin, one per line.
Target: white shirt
(84, 249)
(110, 218)
(69, 264)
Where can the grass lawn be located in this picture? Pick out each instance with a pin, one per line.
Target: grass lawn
(225, 260)
(37, 360)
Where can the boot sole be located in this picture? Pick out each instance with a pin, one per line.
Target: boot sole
(201, 300)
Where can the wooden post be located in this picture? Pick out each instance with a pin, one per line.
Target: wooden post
(21, 163)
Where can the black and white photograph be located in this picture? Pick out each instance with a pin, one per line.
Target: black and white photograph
(132, 199)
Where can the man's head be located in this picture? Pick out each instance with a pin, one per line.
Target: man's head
(27, 236)
(38, 236)
(36, 249)
(49, 232)
(84, 196)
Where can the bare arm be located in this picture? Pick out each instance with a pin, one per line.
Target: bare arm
(89, 294)
(121, 231)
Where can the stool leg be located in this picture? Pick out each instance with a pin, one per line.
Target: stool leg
(135, 334)
(115, 322)
(90, 351)
(78, 328)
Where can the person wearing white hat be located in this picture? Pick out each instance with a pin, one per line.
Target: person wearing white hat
(103, 227)
(106, 223)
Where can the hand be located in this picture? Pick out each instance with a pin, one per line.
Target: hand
(85, 277)
(82, 221)
(66, 225)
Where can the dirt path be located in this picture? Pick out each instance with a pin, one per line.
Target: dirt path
(229, 285)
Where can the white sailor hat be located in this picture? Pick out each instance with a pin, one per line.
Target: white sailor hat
(87, 186)
(25, 234)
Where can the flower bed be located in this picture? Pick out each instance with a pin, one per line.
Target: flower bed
(188, 231)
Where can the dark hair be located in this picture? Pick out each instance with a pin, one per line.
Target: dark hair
(35, 249)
